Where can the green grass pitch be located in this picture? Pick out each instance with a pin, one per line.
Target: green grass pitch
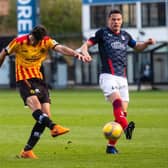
(85, 112)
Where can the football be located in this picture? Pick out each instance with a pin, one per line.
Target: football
(112, 130)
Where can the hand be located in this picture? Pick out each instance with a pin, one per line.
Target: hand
(151, 41)
(84, 58)
(87, 58)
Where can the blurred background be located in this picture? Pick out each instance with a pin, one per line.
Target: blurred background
(71, 22)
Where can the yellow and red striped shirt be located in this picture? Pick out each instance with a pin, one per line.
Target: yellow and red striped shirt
(29, 58)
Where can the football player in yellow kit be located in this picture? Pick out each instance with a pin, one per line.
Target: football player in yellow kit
(30, 51)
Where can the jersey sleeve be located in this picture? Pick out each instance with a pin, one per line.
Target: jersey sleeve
(131, 42)
(96, 38)
(51, 43)
(12, 47)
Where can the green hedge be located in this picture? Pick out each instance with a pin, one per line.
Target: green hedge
(59, 16)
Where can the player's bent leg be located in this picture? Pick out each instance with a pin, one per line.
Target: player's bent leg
(118, 113)
(44, 119)
(58, 130)
(28, 154)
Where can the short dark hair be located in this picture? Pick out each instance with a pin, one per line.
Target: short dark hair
(114, 11)
(39, 32)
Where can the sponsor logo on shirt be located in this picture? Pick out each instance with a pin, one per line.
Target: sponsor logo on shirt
(110, 35)
(118, 45)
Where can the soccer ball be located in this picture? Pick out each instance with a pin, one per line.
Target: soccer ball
(112, 130)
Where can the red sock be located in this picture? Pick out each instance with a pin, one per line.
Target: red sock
(112, 142)
(118, 113)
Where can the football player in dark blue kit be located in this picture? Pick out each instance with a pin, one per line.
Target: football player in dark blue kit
(112, 43)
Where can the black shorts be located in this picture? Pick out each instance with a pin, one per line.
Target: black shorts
(32, 87)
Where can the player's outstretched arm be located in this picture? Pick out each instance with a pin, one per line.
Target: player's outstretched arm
(84, 50)
(2, 56)
(140, 46)
(70, 52)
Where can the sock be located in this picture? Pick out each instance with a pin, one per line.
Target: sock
(118, 114)
(37, 130)
(42, 118)
(112, 142)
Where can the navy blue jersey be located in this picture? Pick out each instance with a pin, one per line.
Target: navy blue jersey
(113, 50)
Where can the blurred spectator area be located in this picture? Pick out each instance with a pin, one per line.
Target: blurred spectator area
(7, 71)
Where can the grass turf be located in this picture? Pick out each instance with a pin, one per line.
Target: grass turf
(85, 112)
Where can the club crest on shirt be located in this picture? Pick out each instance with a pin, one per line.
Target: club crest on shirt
(54, 42)
(118, 45)
(122, 37)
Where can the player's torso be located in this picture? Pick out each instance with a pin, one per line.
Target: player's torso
(113, 51)
(28, 55)
(114, 46)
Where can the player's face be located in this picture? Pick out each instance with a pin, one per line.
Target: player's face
(115, 22)
(32, 39)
